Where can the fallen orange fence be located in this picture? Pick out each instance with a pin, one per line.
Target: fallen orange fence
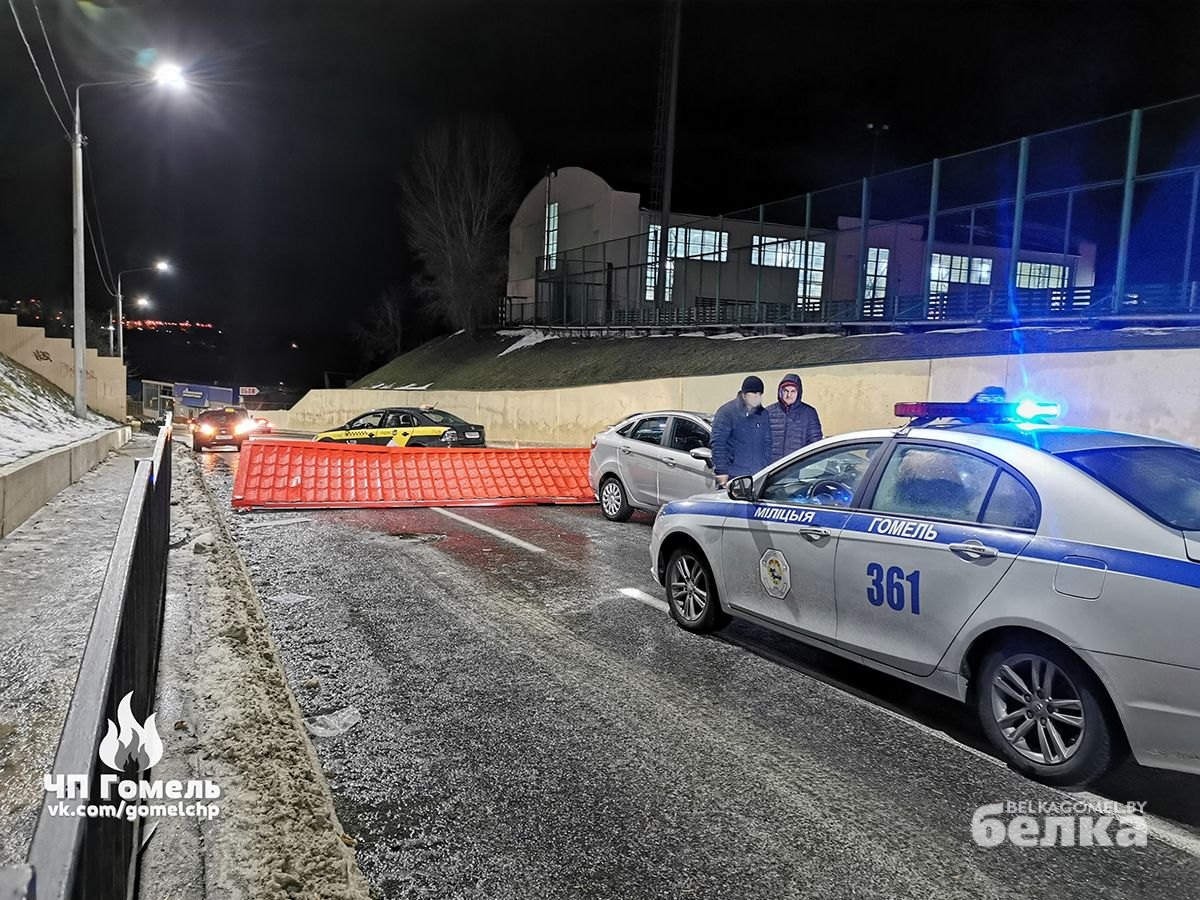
(309, 475)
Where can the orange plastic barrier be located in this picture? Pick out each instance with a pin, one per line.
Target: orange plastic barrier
(309, 475)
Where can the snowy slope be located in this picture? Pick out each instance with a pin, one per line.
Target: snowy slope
(35, 415)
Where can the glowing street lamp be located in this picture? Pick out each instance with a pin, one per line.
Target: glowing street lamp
(143, 301)
(170, 75)
(161, 266)
(167, 74)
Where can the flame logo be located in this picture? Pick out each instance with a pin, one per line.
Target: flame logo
(137, 744)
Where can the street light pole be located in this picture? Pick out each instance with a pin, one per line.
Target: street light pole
(161, 266)
(120, 321)
(79, 333)
(168, 74)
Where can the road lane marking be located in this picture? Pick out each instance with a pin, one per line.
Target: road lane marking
(1164, 830)
(494, 532)
(643, 597)
(275, 523)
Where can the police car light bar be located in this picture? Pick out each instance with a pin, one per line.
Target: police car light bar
(1024, 411)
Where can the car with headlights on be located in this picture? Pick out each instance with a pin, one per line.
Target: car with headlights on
(223, 427)
(649, 459)
(1047, 576)
(407, 426)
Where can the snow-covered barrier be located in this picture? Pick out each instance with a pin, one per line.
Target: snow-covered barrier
(303, 475)
(28, 484)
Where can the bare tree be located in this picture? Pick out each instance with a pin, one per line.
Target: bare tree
(456, 198)
(381, 336)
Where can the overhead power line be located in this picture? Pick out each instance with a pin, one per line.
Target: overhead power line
(38, 71)
(50, 50)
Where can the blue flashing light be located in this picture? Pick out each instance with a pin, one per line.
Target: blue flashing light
(1037, 409)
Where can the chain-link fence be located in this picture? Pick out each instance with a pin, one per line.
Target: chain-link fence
(1092, 221)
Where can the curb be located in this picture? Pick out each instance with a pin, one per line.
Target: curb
(28, 484)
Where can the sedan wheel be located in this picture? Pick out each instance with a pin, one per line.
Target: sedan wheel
(691, 594)
(1046, 713)
(1037, 709)
(613, 502)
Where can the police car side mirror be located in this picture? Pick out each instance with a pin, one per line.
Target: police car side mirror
(741, 488)
(703, 453)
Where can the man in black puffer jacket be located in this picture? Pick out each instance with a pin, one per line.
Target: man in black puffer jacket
(793, 424)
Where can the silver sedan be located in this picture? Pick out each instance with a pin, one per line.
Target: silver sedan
(649, 459)
(1048, 576)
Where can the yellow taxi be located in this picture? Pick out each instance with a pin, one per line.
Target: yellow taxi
(407, 426)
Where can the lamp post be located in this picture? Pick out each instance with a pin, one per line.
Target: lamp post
(161, 266)
(168, 74)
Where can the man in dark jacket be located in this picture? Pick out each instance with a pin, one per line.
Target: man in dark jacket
(793, 424)
(741, 433)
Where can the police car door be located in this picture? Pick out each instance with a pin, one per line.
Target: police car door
(778, 552)
(912, 569)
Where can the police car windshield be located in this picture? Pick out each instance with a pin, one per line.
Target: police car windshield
(438, 417)
(1162, 481)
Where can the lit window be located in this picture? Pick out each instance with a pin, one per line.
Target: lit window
(945, 270)
(1041, 275)
(877, 266)
(981, 270)
(939, 274)
(551, 235)
(806, 256)
(682, 243)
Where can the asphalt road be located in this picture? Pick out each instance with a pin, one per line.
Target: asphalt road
(534, 725)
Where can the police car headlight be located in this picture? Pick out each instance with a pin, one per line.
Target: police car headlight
(449, 435)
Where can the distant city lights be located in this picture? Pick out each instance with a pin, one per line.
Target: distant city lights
(161, 325)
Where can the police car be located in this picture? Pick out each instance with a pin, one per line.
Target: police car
(1049, 576)
(407, 426)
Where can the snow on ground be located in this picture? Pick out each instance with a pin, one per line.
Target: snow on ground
(385, 386)
(36, 415)
(528, 338)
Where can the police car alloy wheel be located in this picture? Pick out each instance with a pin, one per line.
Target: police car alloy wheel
(1046, 713)
(613, 502)
(691, 593)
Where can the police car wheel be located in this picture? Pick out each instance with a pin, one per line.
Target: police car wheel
(324, 440)
(691, 593)
(613, 502)
(1046, 713)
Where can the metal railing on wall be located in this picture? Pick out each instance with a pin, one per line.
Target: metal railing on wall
(983, 307)
(73, 856)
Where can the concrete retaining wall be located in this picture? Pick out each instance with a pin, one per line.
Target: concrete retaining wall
(278, 417)
(28, 484)
(1142, 391)
(54, 360)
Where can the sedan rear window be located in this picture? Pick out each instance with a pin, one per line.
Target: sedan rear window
(441, 417)
(1161, 481)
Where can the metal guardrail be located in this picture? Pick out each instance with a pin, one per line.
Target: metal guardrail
(88, 857)
(983, 306)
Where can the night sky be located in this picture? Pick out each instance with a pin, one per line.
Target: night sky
(272, 181)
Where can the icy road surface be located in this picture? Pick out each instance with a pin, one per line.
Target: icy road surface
(533, 725)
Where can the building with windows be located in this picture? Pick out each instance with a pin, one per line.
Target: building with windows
(582, 253)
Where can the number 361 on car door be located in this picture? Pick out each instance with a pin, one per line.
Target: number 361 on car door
(894, 588)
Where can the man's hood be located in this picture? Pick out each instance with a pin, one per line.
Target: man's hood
(790, 378)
